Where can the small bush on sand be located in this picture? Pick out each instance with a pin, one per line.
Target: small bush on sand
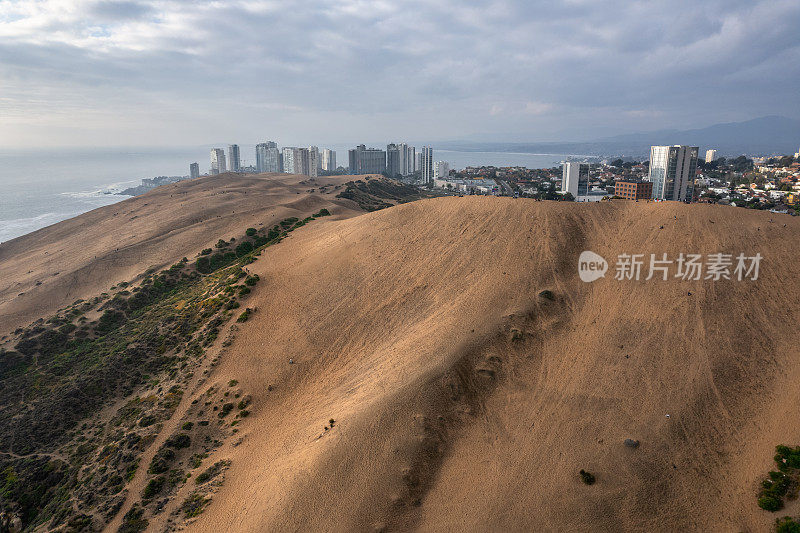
(133, 522)
(154, 486)
(194, 505)
(587, 477)
(786, 525)
(179, 440)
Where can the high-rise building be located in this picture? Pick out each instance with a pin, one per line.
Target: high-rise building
(441, 170)
(328, 160)
(234, 161)
(218, 161)
(300, 160)
(411, 160)
(365, 160)
(575, 179)
(672, 171)
(291, 158)
(711, 155)
(194, 170)
(418, 162)
(426, 162)
(392, 160)
(314, 162)
(268, 157)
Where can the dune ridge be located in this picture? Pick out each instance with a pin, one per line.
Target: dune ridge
(464, 399)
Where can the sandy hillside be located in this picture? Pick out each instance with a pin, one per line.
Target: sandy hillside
(83, 256)
(464, 400)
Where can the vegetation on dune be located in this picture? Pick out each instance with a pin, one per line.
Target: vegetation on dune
(61, 466)
(783, 483)
(787, 525)
(379, 193)
(587, 477)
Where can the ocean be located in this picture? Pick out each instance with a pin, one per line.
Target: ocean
(41, 187)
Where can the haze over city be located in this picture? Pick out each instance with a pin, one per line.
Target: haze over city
(143, 73)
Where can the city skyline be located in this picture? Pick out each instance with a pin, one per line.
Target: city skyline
(135, 73)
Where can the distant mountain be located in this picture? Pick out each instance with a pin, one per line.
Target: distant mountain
(759, 136)
(772, 134)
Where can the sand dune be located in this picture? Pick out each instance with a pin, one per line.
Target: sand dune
(465, 397)
(401, 327)
(81, 257)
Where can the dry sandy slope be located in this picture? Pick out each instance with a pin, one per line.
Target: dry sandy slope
(399, 324)
(85, 255)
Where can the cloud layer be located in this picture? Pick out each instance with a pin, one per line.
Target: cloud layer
(143, 72)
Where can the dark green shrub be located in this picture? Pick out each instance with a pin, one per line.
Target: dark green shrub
(252, 280)
(587, 477)
(233, 383)
(203, 265)
(243, 291)
(244, 316)
(221, 244)
(547, 295)
(322, 213)
(179, 440)
(187, 426)
(770, 502)
(161, 461)
(244, 249)
(154, 486)
(250, 232)
(226, 408)
(786, 525)
(109, 321)
(133, 522)
(206, 251)
(194, 505)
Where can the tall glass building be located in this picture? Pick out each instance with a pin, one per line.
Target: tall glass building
(672, 171)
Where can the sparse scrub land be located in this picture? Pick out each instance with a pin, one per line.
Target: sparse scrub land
(212, 471)
(194, 505)
(787, 525)
(783, 483)
(65, 368)
(372, 194)
(133, 522)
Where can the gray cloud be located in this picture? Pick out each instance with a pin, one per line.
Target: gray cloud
(324, 70)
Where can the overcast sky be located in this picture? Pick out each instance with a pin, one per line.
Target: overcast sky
(88, 72)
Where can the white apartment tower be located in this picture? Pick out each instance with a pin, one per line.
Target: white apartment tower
(575, 179)
(234, 161)
(672, 171)
(218, 161)
(314, 162)
(711, 155)
(268, 157)
(328, 160)
(441, 170)
(426, 165)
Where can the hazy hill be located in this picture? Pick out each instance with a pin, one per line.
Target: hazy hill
(772, 134)
(440, 366)
(765, 135)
